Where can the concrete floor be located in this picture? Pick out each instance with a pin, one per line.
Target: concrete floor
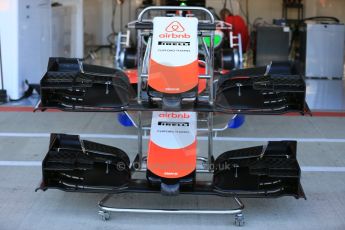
(24, 139)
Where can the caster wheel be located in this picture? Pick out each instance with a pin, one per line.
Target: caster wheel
(239, 219)
(104, 215)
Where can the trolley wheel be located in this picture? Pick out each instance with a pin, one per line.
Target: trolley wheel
(104, 215)
(239, 219)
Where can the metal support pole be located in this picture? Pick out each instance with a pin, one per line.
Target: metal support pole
(210, 69)
(139, 58)
(140, 139)
(210, 140)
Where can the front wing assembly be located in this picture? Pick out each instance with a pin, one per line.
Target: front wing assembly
(76, 165)
(71, 86)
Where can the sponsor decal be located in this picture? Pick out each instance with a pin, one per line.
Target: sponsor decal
(167, 43)
(175, 26)
(174, 30)
(172, 35)
(174, 115)
(165, 123)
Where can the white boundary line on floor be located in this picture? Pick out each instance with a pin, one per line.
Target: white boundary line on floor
(39, 164)
(21, 163)
(322, 169)
(202, 138)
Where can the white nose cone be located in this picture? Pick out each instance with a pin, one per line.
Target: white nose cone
(175, 41)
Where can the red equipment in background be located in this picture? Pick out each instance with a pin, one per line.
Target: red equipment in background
(239, 27)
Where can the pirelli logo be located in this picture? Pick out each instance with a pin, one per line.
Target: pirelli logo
(167, 43)
(164, 123)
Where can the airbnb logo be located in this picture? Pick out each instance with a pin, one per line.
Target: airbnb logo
(174, 115)
(175, 26)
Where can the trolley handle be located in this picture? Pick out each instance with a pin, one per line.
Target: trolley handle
(173, 8)
(149, 26)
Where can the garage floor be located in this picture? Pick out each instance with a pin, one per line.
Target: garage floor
(24, 141)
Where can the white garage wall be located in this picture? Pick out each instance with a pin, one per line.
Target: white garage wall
(97, 20)
(75, 8)
(93, 21)
(335, 8)
(98, 13)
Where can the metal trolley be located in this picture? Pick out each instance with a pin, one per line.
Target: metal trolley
(206, 29)
(76, 165)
